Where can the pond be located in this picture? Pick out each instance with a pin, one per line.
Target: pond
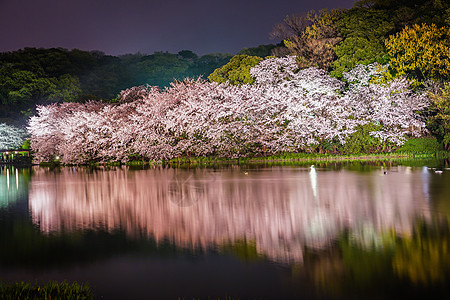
(324, 231)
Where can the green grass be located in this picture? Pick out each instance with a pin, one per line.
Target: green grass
(309, 157)
(50, 290)
(50, 164)
(427, 147)
(294, 158)
(401, 154)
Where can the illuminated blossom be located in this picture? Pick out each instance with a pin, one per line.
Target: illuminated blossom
(11, 137)
(285, 110)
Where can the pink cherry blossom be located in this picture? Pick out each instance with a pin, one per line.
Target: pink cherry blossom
(285, 110)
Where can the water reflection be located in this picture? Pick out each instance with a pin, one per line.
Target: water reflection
(282, 210)
(313, 177)
(13, 184)
(426, 184)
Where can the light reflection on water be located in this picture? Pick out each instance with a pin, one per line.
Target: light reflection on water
(13, 184)
(281, 210)
(251, 232)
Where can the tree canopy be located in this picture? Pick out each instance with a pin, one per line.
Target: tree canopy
(261, 50)
(439, 120)
(420, 52)
(363, 31)
(237, 71)
(31, 76)
(311, 37)
(339, 40)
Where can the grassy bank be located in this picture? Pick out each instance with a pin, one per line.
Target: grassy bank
(302, 157)
(51, 290)
(283, 157)
(413, 148)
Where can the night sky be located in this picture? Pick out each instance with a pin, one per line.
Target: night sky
(129, 26)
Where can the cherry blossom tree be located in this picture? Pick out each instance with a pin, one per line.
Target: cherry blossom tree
(11, 137)
(285, 110)
(393, 105)
(45, 134)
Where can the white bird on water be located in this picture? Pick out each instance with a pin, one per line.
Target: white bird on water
(436, 171)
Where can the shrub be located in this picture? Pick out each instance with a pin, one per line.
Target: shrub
(421, 145)
(362, 141)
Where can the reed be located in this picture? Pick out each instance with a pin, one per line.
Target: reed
(51, 290)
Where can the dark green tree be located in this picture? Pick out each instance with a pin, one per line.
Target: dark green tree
(188, 55)
(162, 68)
(237, 71)
(261, 50)
(365, 27)
(33, 76)
(207, 63)
(364, 31)
(439, 121)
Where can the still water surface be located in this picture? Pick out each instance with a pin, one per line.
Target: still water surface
(372, 230)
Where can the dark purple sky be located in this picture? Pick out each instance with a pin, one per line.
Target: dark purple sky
(130, 26)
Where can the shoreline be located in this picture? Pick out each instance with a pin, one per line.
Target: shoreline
(283, 158)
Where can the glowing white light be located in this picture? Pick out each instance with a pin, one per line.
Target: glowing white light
(313, 177)
(7, 178)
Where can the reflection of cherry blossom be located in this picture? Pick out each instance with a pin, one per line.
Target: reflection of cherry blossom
(285, 110)
(282, 210)
(185, 191)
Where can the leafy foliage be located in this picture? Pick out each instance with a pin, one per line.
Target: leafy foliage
(237, 71)
(20, 89)
(420, 145)
(439, 121)
(311, 37)
(365, 27)
(407, 12)
(363, 32)
(261, 51)
(421, 51)
(161, 68)
(362, 141)
(31, 77)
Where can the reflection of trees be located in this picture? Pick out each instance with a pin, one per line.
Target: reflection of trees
(416, 266)
(185, 191)
(425, 256)
(275, 208)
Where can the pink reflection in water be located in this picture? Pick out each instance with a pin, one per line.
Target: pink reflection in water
(281, 210)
